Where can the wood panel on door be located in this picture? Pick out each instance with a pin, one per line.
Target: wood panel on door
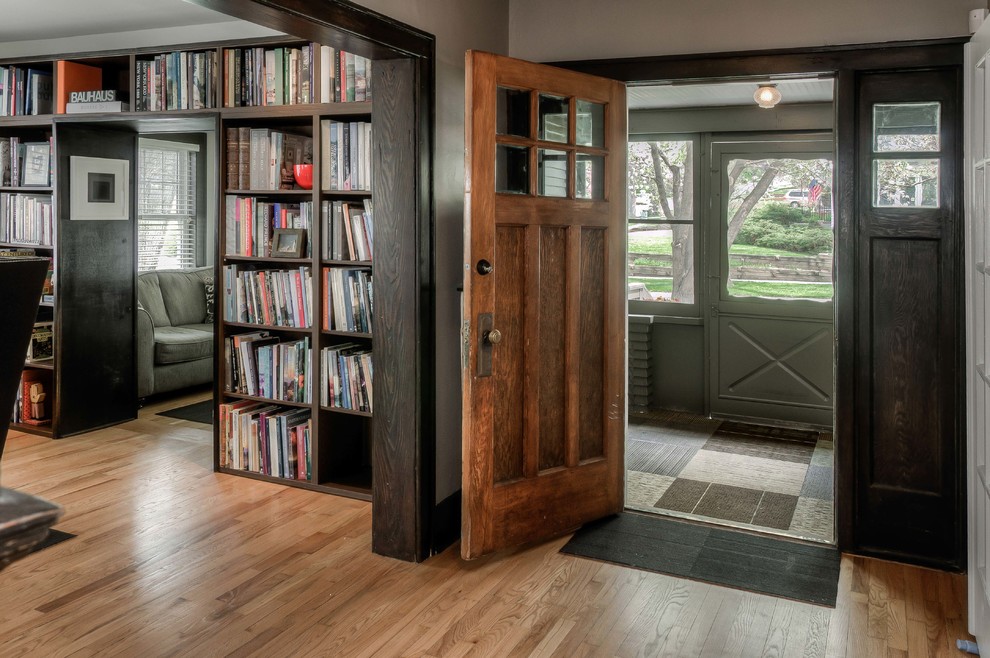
(544, 302)
(908, 424)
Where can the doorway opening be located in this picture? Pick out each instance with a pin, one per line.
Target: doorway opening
(730, 285)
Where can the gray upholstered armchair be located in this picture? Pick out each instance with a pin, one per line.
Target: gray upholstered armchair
(175, 330)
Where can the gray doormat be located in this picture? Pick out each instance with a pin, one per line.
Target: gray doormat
(197, 412)
(777, 567)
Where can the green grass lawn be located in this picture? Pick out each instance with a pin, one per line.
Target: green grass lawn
(656, 245)
(754, 288)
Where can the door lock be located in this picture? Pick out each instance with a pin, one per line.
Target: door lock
(488, 337)
(484, 267)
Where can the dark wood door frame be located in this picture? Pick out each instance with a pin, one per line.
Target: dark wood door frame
(845, 64)
(404, 516)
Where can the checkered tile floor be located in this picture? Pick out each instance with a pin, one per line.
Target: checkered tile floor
(748, 476)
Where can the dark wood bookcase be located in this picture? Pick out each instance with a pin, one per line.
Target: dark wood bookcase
(385, 456)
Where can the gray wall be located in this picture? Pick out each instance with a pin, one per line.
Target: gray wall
(551, 30)
(458, 25)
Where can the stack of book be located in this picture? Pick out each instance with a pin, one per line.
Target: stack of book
(26, 219)
(25, 91)
(250, 224)
(346, 148)
(348, 381)
(264, 158)
(176, 81)
(348, 230)
(275, 298)
(268, 76)
(266, 438)
(95, 101)
(25, 164)
(345, 77)
(347, 300)
(265, 366)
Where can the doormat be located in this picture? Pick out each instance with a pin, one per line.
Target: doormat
(54, 537)
(198, 412)
(740, 560)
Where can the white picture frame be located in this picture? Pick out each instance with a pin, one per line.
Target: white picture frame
(98, 189)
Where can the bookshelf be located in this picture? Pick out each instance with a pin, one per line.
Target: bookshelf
(336, 441)
(394, 438)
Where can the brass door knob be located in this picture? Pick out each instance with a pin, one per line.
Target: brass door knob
(494, 337)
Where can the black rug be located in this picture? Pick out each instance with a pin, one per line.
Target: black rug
(776, 567)
(54, 537)
(198, 412)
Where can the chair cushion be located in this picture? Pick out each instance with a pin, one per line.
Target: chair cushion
(149, 295)
(184, 294)
(182, 344)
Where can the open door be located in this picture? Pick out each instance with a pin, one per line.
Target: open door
(977, 86)
(544, 304)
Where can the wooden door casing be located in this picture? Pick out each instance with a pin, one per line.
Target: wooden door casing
(543, 435)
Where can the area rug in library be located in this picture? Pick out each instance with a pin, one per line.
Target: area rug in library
(741, 560)
(197, 412)
(767, 479)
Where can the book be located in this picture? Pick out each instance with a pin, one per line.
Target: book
(91, 108)
(42, 344)
(73, 76)
(39, 92)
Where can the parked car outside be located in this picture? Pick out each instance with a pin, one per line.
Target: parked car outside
(795, 197)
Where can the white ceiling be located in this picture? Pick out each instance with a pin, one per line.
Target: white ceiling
(25, 20)
(725, 94)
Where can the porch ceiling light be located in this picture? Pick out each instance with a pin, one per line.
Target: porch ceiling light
(767, 96)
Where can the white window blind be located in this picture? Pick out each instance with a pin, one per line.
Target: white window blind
(166, 205)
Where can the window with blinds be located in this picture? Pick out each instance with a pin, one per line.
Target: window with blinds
(166, 181)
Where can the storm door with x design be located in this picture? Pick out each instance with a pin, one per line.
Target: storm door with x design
(770, 311)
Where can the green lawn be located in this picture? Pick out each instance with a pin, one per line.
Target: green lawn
(657, 245)
(754, 288)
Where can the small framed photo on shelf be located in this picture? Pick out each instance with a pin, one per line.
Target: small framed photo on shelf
(36, 164)
(98, 188)
(288, 242)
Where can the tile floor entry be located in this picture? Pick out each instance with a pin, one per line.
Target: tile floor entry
(747, 476)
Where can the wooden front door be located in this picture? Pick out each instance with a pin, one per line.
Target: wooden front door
(544, 305)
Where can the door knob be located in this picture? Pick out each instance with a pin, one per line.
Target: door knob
(494, 337)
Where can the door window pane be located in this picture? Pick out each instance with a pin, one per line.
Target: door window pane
(511, 169)
(590, 124)
(778, 229)
(906, 127)
(661, 178)
(589, 176)
(512, 113)
(661, 263)
(905, 183)
(552, 169)
(553, 118)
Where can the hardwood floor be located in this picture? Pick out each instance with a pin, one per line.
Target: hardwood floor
(172, 559)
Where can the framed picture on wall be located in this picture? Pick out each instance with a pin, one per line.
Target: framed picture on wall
(98, 188)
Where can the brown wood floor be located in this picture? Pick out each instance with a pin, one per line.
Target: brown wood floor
(173, 559)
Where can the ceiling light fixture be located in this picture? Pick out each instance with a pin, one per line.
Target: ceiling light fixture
(767, 96)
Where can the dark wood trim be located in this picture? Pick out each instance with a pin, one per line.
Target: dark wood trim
(826, 59)
(397, 516)
(844, 264)
(345, 24)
